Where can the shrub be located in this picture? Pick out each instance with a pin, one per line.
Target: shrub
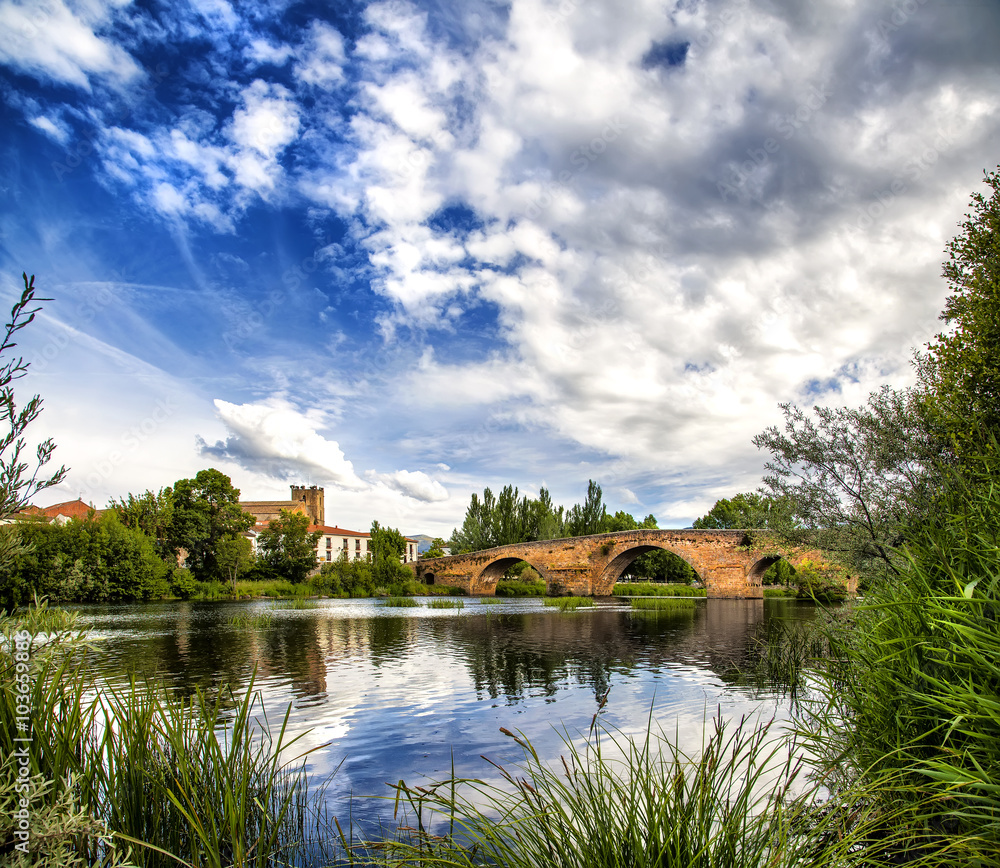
(516, 588)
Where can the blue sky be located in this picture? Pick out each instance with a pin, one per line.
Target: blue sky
(407, 250)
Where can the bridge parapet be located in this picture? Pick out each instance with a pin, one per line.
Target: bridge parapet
(592, 564)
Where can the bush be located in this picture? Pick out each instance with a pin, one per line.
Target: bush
(183, 584)
(819, 585)
(517, 588)
(648, 589)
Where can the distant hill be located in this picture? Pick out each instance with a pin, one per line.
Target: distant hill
(424, 541)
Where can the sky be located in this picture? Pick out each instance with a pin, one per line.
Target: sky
(407, 250)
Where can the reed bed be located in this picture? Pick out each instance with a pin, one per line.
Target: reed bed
(253, 620)
(297, 603)
(568, 604)
(399, 602)
(663, 604)
(490, 601)
(445, 604)
(130, 776)
(655, 589)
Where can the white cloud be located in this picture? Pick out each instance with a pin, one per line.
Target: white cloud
(322, 57)
(415, 484)
(50, 41)
(276, 438)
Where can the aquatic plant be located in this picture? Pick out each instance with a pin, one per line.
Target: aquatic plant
(663, 604)
(568, 604)
(655, 589)
(255, 619)
(401, 602)
(445, 604)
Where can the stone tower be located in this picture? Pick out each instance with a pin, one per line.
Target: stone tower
(312, 497)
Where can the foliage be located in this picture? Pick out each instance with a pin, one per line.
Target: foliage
(17, 484)
(233, 556)
(400, 602)
(747, 511)
(446, 604)
(152, 513)
(646, 589)
(131, 769)
(663, 604)
(95, 559)
(619, 801)
(346, 578)
(918, 668)
(516, 588)
(856, 476)
(568, 604)
(206, 511)
(962, 368)
(817, 584)
(286, 548)
(436, 550)
(591, 516)
(388, 548)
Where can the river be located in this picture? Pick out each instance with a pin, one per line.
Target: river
(411, 693)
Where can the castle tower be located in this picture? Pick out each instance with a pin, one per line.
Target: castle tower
(312, 497)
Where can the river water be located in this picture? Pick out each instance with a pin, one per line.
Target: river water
(411, 693)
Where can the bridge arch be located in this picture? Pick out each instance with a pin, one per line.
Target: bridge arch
(485, 582)
(616, 567)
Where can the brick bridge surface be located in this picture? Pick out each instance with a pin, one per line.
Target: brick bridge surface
(590, 565)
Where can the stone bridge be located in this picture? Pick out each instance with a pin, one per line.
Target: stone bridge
(590, 565)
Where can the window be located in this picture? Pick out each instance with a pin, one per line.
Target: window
(357, 545)
(345, 544)
(329, 543)
(329, 556)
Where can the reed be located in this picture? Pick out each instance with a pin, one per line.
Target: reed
(490, 601)
(663, 604)
(655, 589)
(568, 604)
(297, 603)
(445, 604)
(518, 588)
(257, 619)
(399, 602)
(132, 776)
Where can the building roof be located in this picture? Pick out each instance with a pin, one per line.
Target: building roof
(68, 509)
(265, 511)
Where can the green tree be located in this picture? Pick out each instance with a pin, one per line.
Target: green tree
(590, 516)
(90, 560)
(286, 548)
(855, 477)
(436, 550)
(234, 556)
(748, 511)
(962, 368)
(206, 510)
(152, 513)
(19, 482)
(387, 546)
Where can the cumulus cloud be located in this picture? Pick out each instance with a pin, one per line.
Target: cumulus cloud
(275, 438)
(412, 483)
(52, 42)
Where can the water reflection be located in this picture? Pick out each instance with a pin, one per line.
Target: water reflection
(407, 694)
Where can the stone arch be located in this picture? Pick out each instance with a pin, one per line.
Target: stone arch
(755, 573)
(426, 577)
(617, 565)
(485, 582)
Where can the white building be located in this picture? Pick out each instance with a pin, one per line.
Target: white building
(336, 540)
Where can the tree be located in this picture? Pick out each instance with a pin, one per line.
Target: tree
(18, 481)
(206, 511)
(286, 547)
(152, 513)
(590, 517)
(234, 555)
(436, 550)
(856, 477)
(748, 511)
(962, 368)
(387, 546)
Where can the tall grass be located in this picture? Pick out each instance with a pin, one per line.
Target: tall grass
(655, 589)
(663, 604)
(252, 620)
(568, 604)
(445, 604)
(619, 801)
(297, 603)
(131, 775)
(399, 602)
(517, 588)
